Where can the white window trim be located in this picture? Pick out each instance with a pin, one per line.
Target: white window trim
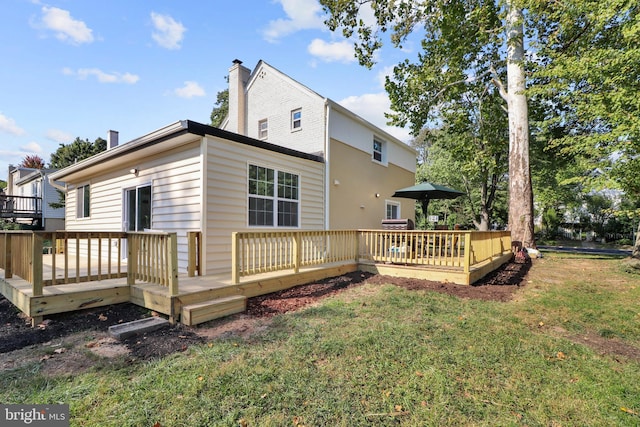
(260, 122)
(392, 203)
(275, 198)
(293, 112)
(80, 208)
(383, 151)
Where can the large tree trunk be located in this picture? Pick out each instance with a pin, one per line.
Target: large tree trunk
(520, 188)
(636, 247)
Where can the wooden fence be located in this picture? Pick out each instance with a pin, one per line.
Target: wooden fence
(77, 257)
(264, 252)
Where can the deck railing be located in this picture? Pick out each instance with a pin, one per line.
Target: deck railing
(263, 252)
(153, 258)
(77, 257)
(20, 206)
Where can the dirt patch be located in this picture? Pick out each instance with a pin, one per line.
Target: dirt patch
(83, 335)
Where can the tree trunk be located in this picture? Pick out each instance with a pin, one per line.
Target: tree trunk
(636, 246)
(520, 188)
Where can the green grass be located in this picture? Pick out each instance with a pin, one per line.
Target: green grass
(377, 356)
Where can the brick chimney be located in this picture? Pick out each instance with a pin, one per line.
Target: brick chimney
(112, 139)
(238, 77)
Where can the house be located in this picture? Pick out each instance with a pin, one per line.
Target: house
(28, 197)
(285, 159)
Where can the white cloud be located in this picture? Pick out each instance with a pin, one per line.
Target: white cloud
(332, 51)
(189, 90)
(383, 73)
(8, 125)
(169, 33)
(65, 27)
(301, 15)
(101, 76)
(32, 147)
(371, 107)
(60, 136)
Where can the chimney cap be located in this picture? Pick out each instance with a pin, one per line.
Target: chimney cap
(237, 61)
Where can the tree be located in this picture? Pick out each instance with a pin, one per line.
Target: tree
(465, 43)
(587, 73)
(220, 108)
(78, 150)
(67, 155)
(32, 161)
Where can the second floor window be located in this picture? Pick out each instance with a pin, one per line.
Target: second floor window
(378, 151)
(296, 119)
(263, 129)
(83, 198)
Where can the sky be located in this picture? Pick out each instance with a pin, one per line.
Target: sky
(79, 68)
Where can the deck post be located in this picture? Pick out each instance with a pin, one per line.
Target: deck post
(8, 269)
(132, 259)
(356, 233)
(173, 263)
(235, 258)
(467, 252)
(36, 264)
(195, 258)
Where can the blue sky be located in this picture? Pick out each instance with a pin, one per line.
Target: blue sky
(78, 68)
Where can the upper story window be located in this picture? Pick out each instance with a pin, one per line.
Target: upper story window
(263, 129)
(296, 119)
(273, 197)
(393, 210)
(379, 151)
(83, 199)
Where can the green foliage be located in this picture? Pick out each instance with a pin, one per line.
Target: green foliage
(587, 75)
(79, 149)
(220, 109)
(69, 154)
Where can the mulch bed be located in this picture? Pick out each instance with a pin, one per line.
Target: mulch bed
(16, 331)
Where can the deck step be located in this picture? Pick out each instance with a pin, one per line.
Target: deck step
(195, 314)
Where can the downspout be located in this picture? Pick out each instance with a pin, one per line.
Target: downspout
(56, 186)
(327, 184)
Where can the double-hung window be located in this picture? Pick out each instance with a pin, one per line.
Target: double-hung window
(273, 197)
(263, 129)
(378, 150)
(296, 119)
(393, 210)
(83, 199)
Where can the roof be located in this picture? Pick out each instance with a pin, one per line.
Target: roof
(181, 132)
(334, 105)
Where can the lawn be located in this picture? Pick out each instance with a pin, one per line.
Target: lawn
(564, 352)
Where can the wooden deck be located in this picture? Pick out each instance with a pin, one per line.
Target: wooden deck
(196, 299)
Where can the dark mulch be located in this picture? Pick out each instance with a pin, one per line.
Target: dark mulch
(16, 332)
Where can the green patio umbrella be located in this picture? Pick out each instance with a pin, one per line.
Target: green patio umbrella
(426, 191)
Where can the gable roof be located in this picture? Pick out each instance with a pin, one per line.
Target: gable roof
(333, 104)
(170, 136)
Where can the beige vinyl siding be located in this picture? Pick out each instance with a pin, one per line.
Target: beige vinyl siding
(353, 202)
(175, 179)
(226, 197)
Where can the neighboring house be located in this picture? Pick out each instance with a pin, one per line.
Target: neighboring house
(28, 197)
(313, 165)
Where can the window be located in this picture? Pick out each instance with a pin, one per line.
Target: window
(83, 198)
(378, 150)
(263, 129)
(273, 197)
(138, 208)
(296, 119)
(393, 210)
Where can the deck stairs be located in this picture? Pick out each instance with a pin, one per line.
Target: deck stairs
(194, 314)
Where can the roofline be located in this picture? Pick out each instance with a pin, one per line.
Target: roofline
(173, 130)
